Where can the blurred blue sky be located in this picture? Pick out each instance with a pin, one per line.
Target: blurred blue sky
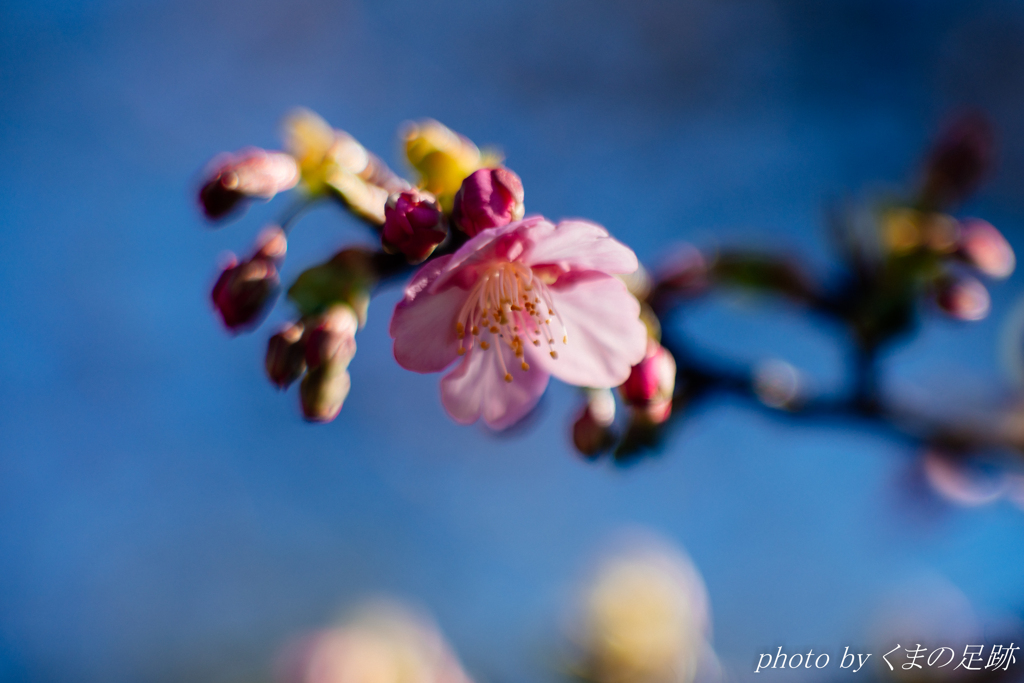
(164, 514)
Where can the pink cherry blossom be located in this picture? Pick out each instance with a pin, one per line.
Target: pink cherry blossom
(519, 303)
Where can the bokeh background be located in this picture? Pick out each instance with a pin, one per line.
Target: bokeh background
(166, 515)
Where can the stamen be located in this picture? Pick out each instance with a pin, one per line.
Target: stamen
(509, 302)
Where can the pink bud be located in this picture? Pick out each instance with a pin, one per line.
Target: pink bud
(653, 413)
(986, 249)
(252, 172)
(413, 224)
(963, 297)
(286, 359)
(653, 380)
(243, 289)
(331, 338)
(323, 391)
(488, 198)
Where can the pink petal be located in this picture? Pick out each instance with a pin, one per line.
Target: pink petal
(477, 388)
(605, 335)
(578, 245)
(485, 246)
(423, 324)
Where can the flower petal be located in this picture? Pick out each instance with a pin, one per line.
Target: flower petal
(483, 247)
(605, 335)
(423, 324)
(477, 388)
(578, 245)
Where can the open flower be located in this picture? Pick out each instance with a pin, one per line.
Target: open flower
(519, 303)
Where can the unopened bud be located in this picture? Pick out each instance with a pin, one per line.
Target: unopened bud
(331, 338)
(413, 225)
(488, 198)
(905, 230)
(323, 391)
(592, 431)
(243, 289)
(652, 414)
(653, 380)
(247, 174)
(286, 356)
(443, 158)
(986, 249)
(963, 297)
(958, 162)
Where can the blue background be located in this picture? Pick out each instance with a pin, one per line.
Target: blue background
(166, 515)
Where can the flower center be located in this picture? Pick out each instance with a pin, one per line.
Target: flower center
(509, 304)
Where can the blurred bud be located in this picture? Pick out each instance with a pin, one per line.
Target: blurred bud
(413, 225)
(986, 249)
(961, 481)
(244, 289)
(333, 160)
(652, 382)
(347, 278)
(963, 297)
(443, 158)
(331, 338)
(644, 619)
(321, 150)
(592, 431)
(252, 172)
(323, 392)
(905, 230)
(329, 345)
(286, 356)
(958, 162)
(639, 282)
(488, 198)
(653, 414)
(383, 642)
(777, 384)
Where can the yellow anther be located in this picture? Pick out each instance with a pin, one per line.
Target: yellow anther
(494, 329)
(476, 330)
(536, 342)
(554, 354)
(462, 351)
(525, 366)
(508, 376)
(565, 339)
(460, 329)
(484, 345)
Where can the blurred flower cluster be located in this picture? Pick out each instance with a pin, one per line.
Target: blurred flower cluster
(643, 617)
(382, 641)
(640, 615)
(501, 301)
(899, 258)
